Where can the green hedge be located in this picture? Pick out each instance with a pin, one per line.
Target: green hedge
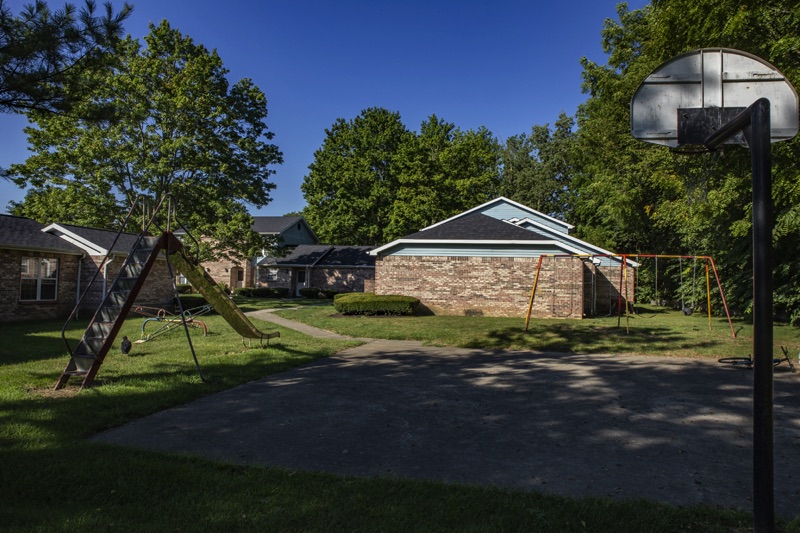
(262, 292)
(184, 288)
(367, 303)
(190, 301)
(319, 293)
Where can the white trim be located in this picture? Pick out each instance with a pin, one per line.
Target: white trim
(63, 233)
(503, 199)
(557, 244)
(540, 226)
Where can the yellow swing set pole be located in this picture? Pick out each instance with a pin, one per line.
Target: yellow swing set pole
(627, 315)
(533, 292)
(708, 295)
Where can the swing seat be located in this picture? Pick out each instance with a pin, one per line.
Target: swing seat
(687, 311)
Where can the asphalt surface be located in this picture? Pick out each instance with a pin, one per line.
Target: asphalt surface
(665, 429)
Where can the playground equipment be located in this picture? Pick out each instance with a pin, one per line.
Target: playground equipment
(170, 321)
(98, 338)
(697, 102)
(626, 290)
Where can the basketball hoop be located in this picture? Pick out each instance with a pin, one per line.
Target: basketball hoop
(688, 98)
(712, 97)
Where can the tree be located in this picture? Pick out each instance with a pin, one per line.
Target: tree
(373, 180)
(631, 196)
(45, 55)
(538, 168)
(444, 171)
(178, 128)
(351, 185)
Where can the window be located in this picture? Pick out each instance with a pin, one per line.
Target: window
(38, 279)
(272, 274)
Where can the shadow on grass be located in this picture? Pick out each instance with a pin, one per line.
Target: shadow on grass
(22, 342)
(596, 339)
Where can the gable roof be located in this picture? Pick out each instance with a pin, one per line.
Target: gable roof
(475, 226)
(92, 240)
(20, 233)
(274, 225)
(319, 255)
(503, 200)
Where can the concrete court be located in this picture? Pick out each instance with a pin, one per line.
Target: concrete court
(666, 429)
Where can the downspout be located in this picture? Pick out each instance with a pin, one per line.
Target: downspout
(78, 286)
(105, 276)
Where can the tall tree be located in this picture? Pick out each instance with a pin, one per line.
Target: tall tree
(351, 184)
(636, 197)
(538, 168)
(444, 171)
(45, 55)
(179, 127)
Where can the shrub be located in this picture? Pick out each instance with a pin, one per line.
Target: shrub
(190, 301)
(184, 288)
(366, 303)
(270, 292)
(247, 292)
(319, 293)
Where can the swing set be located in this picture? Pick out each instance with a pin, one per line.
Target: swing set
(627, 285)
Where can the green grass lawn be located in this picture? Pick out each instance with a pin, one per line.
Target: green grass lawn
(652, 331)
(52, 479)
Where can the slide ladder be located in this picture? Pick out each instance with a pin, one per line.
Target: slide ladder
(99, 336)
(98, 339)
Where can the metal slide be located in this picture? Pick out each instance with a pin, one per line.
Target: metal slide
(214, 295)
(98, 339)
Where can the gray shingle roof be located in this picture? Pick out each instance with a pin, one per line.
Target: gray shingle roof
(26, 234)
(321, 255)
(273, 225)
(349, 256)
(478, 227)
(104, 238)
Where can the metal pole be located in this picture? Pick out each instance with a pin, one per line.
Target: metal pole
(755, 122)
(533, 292)
(763, 466)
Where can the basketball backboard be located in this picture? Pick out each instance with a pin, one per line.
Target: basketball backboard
(687, 98)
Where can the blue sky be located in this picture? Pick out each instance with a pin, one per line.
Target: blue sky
(505, 65)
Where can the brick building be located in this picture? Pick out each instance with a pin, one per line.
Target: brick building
(44, 270)
(285, 232)
(484, 261)
(321, 266)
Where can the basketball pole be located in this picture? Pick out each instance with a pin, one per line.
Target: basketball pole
(755, 122)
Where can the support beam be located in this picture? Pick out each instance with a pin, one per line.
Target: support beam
(755, 122)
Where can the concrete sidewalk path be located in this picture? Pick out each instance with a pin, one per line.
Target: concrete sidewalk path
(664, 429)
(268, 315)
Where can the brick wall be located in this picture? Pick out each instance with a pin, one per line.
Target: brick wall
(490, 286)
(337, 279)
(341, 279)
(157, 290)
(12, 309)
(224, 271)
(283, 279)
(602, 295)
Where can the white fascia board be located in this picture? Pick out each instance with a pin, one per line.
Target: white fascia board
(597, 249)
(500, 199)
(63, 233)
(557, 244)
(537, 213)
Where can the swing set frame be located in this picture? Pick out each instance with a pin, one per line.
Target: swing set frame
(622, 289)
